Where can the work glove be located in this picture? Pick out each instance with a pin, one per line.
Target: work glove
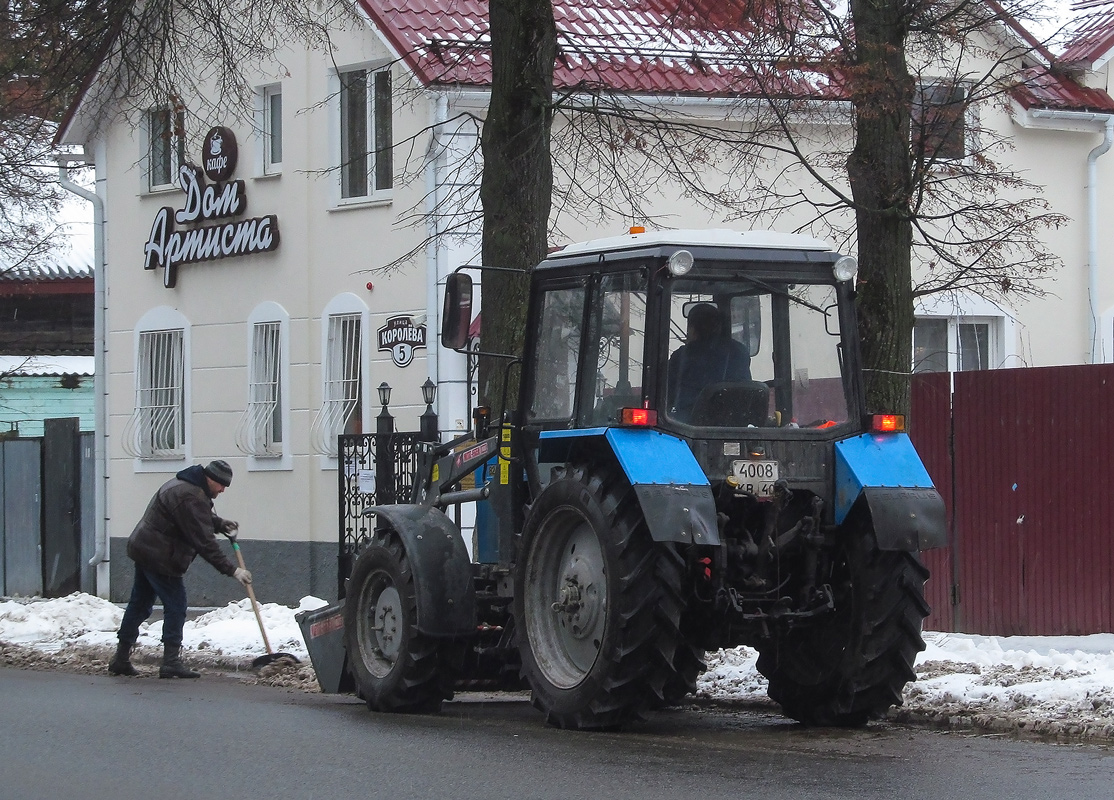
(242, 575)
(229, 525)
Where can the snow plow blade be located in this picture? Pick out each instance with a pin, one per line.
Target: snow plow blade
(323, 632)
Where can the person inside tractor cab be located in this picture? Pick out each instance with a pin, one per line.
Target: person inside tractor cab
(709, 355)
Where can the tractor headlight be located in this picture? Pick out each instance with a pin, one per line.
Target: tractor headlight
(680, 263)
(845, 268)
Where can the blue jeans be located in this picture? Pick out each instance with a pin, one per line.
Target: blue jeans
(148, 585)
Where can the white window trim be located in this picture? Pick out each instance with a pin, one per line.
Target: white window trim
(269, 311)
(962, 307)
(264, 167)
(344, 304)
(152, 188)
(165, 318)
(374, 196)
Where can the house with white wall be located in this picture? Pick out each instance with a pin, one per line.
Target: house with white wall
(256, 271)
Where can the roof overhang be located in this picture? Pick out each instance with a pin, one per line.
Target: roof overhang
(1058, 120)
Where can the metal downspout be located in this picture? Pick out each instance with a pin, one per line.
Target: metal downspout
(100, 451)
(1092, 231)
(432, 271)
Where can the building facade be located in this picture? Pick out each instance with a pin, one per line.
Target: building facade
(264, 272)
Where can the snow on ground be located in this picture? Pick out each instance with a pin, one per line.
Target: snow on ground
(1060, 686)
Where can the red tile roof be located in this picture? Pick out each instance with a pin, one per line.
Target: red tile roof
(630, 46)
(1093, 34)
(1055, 91)
(648, 47)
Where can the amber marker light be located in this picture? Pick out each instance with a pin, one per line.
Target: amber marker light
(887, 423)
(638, 416)
(637, 229)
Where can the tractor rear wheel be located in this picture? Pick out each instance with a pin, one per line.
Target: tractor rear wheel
(851, 666)
(597, 603)
(395, 667)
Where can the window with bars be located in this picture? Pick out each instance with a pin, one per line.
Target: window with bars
(366, 137)
(157, 426)
(166, 130)
(343, 396)
(260, 432)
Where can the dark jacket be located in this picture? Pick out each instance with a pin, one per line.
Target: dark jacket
(178, 525)
(702, 363)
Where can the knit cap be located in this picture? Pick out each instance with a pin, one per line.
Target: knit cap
(220, 472)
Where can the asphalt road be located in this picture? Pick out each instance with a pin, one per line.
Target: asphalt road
(78, 736)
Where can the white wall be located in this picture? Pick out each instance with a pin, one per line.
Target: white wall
(325, 252)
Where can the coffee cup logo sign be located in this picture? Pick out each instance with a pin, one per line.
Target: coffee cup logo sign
(168, 248)
(401, 337)
(219, 153)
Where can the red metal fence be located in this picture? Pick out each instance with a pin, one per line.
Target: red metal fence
(1025, 461)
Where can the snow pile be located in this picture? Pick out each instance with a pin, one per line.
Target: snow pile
(84, 620)
(50, 624)
(1055, 685)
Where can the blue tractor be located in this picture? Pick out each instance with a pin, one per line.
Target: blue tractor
(689, 466)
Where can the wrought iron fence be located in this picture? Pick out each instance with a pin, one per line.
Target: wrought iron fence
(374, 468)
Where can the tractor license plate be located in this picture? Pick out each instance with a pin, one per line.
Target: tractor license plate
(756, 477)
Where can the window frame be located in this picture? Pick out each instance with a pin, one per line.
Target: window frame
(927, 131)
(266, 166)
(377, 155)
(281, 457)
(175, 150)
(953, 346)
(323, 429)
(162, 319)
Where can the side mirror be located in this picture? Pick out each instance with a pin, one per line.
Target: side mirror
(456, 316)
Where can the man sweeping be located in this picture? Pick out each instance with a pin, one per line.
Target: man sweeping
(178, 525)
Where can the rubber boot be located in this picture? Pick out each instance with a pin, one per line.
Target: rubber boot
(121, 662)
(172, 666)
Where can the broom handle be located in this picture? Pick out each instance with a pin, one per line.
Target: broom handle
(251, 594)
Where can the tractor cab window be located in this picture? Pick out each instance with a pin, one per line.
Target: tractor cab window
(754, 354)
(616, 334)
(558, 342)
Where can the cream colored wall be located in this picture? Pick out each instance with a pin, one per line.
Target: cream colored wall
(217, 297)
(324, 252)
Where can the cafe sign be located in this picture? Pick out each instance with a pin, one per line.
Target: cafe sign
(205, 228)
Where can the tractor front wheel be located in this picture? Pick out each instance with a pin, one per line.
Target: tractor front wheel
(395, 667)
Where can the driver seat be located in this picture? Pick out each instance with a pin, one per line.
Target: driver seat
(735, 404)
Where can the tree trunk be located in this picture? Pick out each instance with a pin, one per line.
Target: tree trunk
(517, 184)
(879, 170)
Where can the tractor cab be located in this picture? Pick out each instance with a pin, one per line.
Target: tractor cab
(727, 340)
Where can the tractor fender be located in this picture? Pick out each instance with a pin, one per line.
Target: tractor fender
(446, 597)
(672, 490)
(884, 473)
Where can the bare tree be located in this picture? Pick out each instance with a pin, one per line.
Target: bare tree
(870, 125)
(834, 130)
(826, 123)
(517, 184)
(127, 57)
(38, 40)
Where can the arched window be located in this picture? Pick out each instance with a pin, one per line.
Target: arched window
(159, 428)
(344, 367)
(263, 430)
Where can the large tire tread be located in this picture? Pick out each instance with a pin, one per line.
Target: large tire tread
(821, 681)
(636, 662)
(424, 674)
